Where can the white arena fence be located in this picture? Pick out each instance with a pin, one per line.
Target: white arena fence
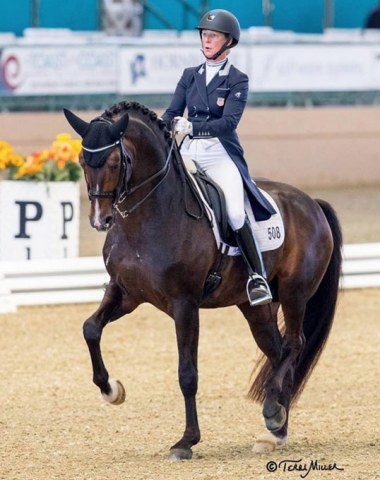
(82, 279)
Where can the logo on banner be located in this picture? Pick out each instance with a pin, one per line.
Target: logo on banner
(10, 72)
(138, 69)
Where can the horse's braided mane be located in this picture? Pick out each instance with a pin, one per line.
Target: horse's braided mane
(124, 106)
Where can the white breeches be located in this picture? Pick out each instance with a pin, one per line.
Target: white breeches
(212, 157)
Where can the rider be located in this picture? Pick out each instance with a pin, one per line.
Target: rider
(215, 94)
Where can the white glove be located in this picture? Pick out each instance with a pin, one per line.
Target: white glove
(182, 126)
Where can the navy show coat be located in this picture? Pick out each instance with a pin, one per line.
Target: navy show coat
(215, 111)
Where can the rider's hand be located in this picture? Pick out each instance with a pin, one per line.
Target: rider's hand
(182, 126)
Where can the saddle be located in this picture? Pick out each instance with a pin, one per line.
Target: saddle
(214, 196)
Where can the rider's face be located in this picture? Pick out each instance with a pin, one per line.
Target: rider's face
(212, 42)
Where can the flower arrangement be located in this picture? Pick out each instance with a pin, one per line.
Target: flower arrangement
(59, 163)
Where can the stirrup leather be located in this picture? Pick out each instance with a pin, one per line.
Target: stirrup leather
(259, 293)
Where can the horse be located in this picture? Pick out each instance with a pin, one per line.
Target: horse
(160, 249)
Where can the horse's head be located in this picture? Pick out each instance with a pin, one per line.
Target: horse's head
(105, 164)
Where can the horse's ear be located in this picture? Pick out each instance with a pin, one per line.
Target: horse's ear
(79, 125)
(118, 128)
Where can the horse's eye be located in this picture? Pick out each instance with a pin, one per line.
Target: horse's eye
(113, 167)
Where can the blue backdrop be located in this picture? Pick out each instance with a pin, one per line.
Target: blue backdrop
(297, 15)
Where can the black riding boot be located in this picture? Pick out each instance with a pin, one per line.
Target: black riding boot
(257, 287)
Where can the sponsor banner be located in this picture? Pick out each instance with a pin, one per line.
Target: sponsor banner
(148, 70)
(314, 68)
(44, 70)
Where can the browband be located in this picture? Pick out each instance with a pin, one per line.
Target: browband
(101, 149)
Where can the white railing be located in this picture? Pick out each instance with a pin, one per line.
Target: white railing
(81, 280)
(361, 265)
(44, 282)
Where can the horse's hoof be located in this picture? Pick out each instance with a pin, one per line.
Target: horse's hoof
(117, 393)
(177, 454)
(276, 421)
(268, 443)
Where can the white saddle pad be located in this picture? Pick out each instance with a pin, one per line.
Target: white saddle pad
(269, 234)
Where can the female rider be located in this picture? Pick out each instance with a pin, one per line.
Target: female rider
(215, 95)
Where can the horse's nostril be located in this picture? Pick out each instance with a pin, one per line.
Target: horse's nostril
(108, 221)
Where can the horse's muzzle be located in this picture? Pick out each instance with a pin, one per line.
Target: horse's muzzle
(102, 225)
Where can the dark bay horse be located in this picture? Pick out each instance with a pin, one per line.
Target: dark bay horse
(160, 249)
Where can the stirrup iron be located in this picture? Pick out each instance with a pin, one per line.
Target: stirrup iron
(259, 293)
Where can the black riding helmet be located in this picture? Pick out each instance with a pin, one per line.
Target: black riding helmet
(221, 21)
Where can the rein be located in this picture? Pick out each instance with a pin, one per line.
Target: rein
(128, 191)
(123, 190)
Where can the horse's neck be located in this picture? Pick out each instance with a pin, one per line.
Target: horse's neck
(154, 190)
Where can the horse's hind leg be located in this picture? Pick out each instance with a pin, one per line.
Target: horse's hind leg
(264, 327)
(277, 379)
(111, 308)
(262, 321)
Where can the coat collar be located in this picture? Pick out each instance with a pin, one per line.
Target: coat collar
(223, 71)
(219, 78)
(200, 80)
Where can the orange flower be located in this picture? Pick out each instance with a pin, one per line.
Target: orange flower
(31, 166)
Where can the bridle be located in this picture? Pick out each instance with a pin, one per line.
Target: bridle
(125, 174)
(123, 189)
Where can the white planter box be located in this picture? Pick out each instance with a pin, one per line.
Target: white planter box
(39, 220)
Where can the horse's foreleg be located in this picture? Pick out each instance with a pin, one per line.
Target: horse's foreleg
(110, 309)
(187, 331)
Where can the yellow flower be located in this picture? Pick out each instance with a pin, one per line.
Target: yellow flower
(57, 163)
(6, 154)
(63, 137)
(17, 160)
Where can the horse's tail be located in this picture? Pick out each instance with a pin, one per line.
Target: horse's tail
(320, 309)
(318, 319)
